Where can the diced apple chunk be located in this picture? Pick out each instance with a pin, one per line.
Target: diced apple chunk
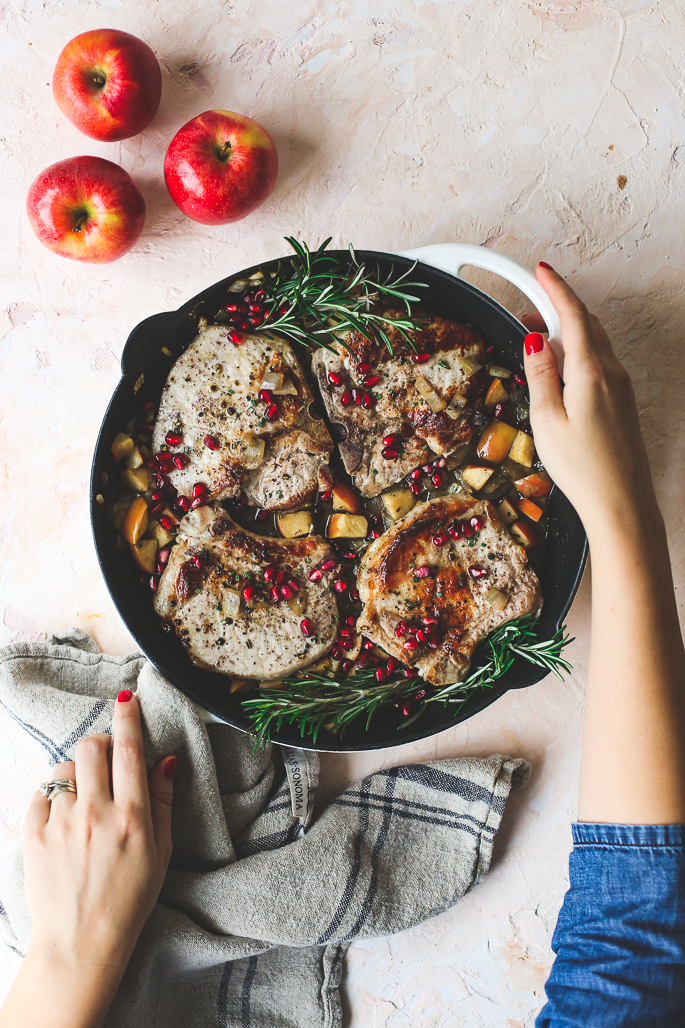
(144, 553)
(347, 526)
(476, 475)
(121, 446)
(507, 513)
(530, 509)
(120, 508)
(135, 459)
(161, 535)
(241, 685)
(344, 498)
(534, 486)
(398, 501)
(294, 525)
(139, 479)
(496, 393)
(524, 534)
(496, 441)
(135, 521)
(522, 449)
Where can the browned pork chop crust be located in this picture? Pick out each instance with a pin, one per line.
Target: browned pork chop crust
(392, 591)
(213, 391)
(262, 641)
(399, 406)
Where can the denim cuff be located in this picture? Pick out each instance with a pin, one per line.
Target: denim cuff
(587, 833)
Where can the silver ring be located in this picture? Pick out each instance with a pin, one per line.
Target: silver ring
(51, 789)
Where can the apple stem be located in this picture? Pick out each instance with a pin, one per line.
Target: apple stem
(224, 151)
(80, 221)
(98, 80)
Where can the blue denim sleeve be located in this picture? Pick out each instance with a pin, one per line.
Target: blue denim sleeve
(620, 936)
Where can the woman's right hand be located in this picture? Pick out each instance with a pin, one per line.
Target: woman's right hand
(587, 437)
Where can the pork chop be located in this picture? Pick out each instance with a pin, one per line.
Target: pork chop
(214, 593)
(224, 435)
(417, 570)
(373, 394)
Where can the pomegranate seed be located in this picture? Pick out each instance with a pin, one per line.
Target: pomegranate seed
(415, 488)
(340, 586)
(335, 378)
(265, 396)
(420, 358)
(286, 592)
(326, 497)
(490, 350)
(271, 413)
(477, 571)
(255, 307)
(230, 308)
(153, 582)
(183, 503)
(199, 561)
(354, 595)
(436, 479)
(392, 440)
(166, 522)
(157, 508)
(165, 461)
(275, 594)
(415, 474)
(199, 489)
(269, 573)
(421, 636)
(260, 295)
(144, 426)
(345, 634)
(346, 398)
(410, 644)
(419, 695)
(368, 401)
(173, 438)
(467, 529)
(422, 572)
(412, 629)
(199, 501)
(409, 673)
(336, 652)
(520, 380)
(347, 665)
(261, 515)
(374, 533)
(427, 469)
(351, 620)
(147, 412)
(439, 463)
(377, 520)
(380, 675)
(283, 310)
(181, 460)
(294, 585)
(455, 531)
(392, 665)
(328, 565)
(367, 645)
(389, 453)
(255, 320)
(406, 708)
(244, 326)
(499, 411)
(211, 442)
(429, 621)
(236, 337)
(163, 555)
(356, 394)
(433, 642)
(348, 555)
(478, 522)
(248, 593)
(370, 381)
(401, 629)
(364, 369)
(315, 575)
(156, 497)
(160, 479)
(440, 540)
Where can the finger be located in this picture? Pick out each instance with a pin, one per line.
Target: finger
(129, 778)
(534, 322)
(37, 815)
(578, 338)
(63, 801)
(92, 771)
(542, 373)
(161, 782)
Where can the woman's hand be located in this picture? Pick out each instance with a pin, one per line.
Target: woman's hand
(94, 864)
(588, 439)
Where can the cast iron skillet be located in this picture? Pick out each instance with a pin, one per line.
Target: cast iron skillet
(144, 371)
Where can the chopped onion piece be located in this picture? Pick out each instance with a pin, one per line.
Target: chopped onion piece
(496, 599)
(455, 407)
(469, 365)
(231, 603)
(496, 371)
(238, 286)
(288, 388)
(435, 402)
(253, 449)
(298, 602)
(272, 381)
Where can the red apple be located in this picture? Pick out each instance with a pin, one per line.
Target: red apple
(86, 208)
(108, 83)
(220, 167)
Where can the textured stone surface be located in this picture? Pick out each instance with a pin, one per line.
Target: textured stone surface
(549, 129)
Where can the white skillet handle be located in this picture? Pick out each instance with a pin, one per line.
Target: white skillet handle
(452, 257)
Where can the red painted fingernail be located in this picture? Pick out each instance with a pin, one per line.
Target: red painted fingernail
(544, 264)
(170, 767)
(124, 696)
(533, 343)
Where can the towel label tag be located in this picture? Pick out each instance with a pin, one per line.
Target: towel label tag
(297, 769)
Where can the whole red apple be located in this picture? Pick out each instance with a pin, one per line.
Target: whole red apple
(220, 167)
(108, 83)
(86, 208)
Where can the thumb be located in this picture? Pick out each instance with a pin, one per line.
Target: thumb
(161, 786)
(542, 373)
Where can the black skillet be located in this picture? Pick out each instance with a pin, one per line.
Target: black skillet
(565, 549)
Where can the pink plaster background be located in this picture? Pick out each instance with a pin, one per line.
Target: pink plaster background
(397, 124)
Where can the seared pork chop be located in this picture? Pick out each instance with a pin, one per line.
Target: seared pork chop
(228, 433)
(451, 367)
(214, 592)
(418, 570)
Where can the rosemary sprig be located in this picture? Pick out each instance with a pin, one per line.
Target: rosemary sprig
(314, 700)
(319, 296)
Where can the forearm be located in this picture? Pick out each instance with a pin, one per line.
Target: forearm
(633, 762)
(49, 992)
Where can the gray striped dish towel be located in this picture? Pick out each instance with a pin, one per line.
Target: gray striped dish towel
(260, 900)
